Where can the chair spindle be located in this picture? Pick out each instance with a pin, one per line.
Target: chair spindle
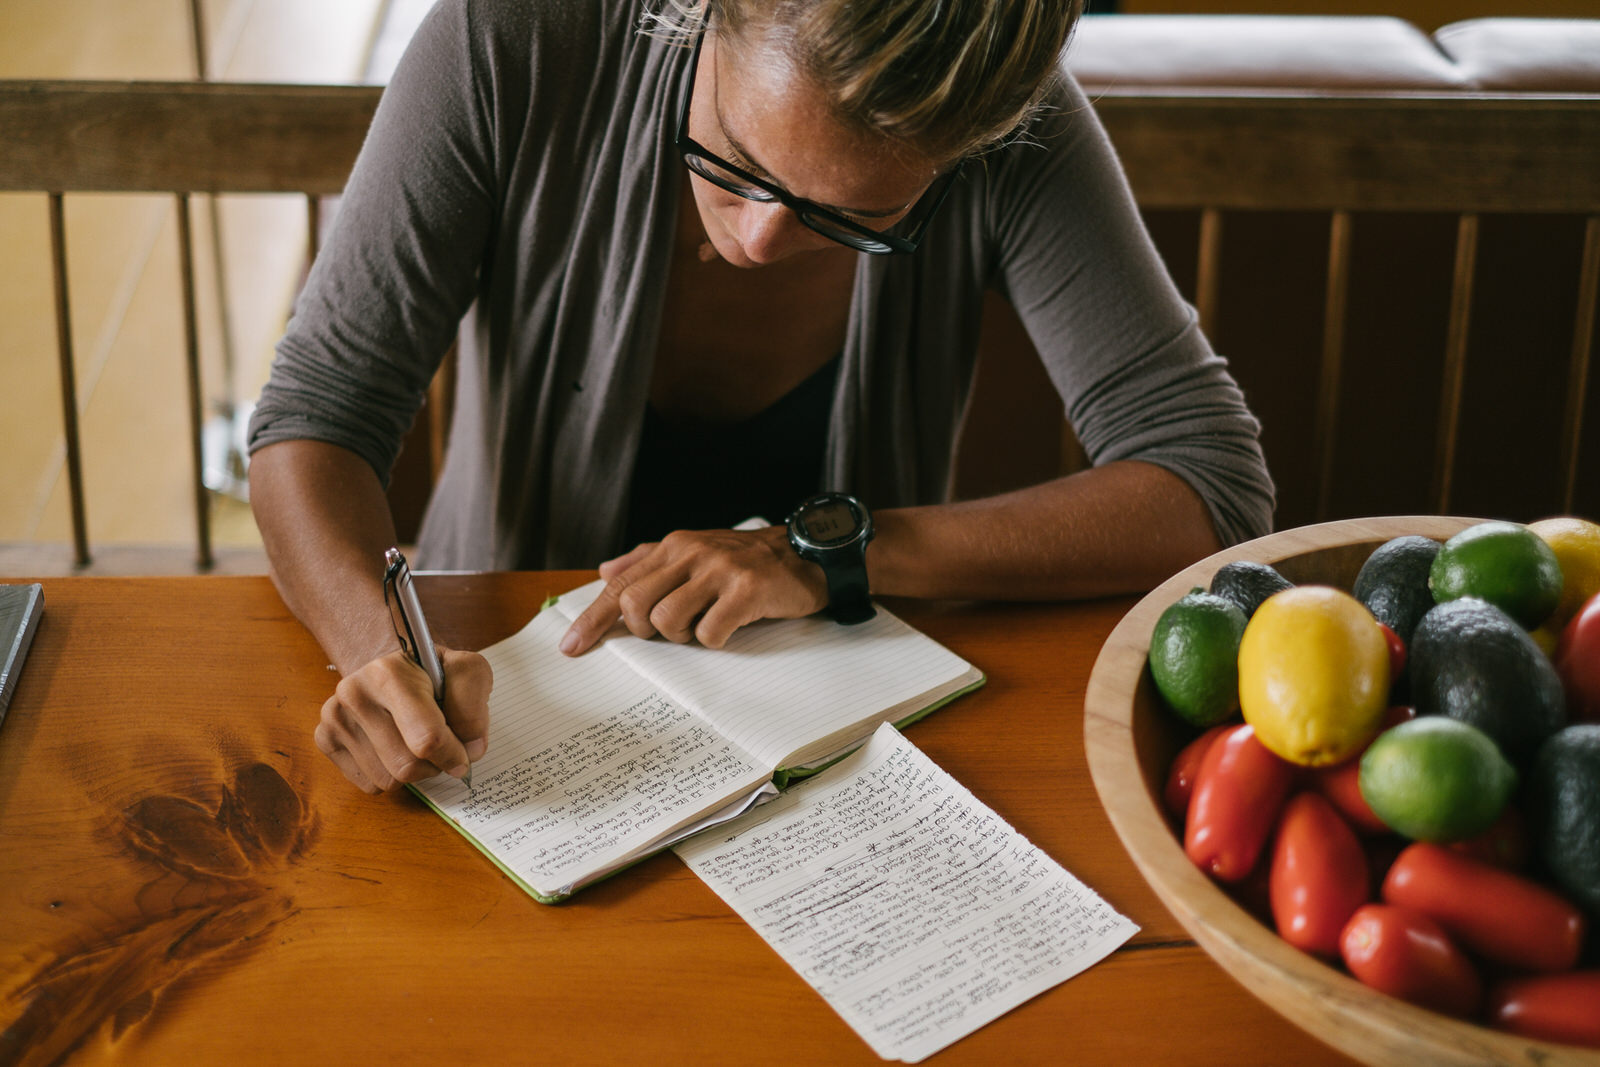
(1330, 373)
(1455, 359)
(191, 338)
(69, 381)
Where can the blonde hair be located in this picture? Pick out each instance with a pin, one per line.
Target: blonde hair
(949, 77)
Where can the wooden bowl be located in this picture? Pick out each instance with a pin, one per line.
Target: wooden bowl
(1131, 739)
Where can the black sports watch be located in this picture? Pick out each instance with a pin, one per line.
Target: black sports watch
(832, 531)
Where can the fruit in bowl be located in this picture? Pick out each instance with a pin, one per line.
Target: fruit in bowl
(1329, 858)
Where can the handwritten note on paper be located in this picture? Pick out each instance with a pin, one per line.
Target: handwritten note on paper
(914, 909)
(585, 764)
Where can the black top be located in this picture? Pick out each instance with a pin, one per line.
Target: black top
(697, 475)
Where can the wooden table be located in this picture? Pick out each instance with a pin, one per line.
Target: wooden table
(184, 879)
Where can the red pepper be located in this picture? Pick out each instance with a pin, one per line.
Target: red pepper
(1499, 915)
(1185, 766)
(1402, 952)
(1578, 662)
(1549, 1007)
(1238, 793)
(1319, 875)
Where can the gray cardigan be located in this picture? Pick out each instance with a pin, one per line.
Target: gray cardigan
(521, 165)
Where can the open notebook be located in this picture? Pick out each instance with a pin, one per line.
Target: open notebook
(596, 762)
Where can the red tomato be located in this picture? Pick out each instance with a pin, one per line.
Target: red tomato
(1499, 915)
(1405, 954)
(1319, 875)
(1397, 651)
(1185, 765)
(1504, 844)
(1238, 793)
(1340, 783)
(1578, 662)
(1549, 1007)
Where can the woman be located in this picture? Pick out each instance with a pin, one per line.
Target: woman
(638, 322)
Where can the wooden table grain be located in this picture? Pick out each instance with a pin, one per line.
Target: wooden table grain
(184, 879)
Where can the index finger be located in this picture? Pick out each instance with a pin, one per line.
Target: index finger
(468, 682)
(612, 567)
(597, 618)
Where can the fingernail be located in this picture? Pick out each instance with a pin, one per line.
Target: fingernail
(459, 770)
(569, 643)
(476, 748)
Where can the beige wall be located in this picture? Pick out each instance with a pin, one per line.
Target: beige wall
(122, 262)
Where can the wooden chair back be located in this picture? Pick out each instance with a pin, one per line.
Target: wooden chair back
(180, 139)
(1353, 423)
(1427, 345)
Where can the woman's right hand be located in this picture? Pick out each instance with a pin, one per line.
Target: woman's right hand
(325, 521)
(383, 729)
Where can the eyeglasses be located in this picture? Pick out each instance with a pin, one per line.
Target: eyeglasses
(740, 182)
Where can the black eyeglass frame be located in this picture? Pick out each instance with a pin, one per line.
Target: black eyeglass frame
(843, 230)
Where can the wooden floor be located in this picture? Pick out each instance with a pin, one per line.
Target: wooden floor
(122, 263)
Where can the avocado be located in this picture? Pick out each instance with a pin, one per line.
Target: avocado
(1562, 803)
(1247, 584)
(1471, 661)
(1393, 583)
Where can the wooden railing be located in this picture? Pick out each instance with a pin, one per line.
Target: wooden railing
(1214, 156)
(182, 139)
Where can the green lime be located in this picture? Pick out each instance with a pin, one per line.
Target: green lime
(1436, 779)
(1194, 657)
(1504, 563)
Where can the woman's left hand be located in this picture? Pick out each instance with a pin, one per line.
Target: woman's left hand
(701, 585)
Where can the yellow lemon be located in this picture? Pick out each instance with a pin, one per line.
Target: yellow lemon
(1576, 543)
(1313, 674)
(1547, 637)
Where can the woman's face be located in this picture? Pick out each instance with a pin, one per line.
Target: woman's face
(752, 109)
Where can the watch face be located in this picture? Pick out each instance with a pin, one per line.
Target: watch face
(833, 522)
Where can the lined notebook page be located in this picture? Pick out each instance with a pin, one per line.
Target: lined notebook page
(792, 691)
(587, 762)
(913, 908)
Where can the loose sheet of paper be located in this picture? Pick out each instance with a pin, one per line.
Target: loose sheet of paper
(914, 909)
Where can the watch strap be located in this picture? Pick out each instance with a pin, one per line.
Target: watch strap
(849, 600)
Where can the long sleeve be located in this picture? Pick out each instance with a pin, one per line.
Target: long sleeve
(387, 293)
(1138, 378)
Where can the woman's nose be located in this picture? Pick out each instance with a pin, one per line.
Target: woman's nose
(770, 231)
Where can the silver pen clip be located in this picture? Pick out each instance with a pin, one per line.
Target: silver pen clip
(411, 627)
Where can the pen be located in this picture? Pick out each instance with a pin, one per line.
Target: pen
(397, 575)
